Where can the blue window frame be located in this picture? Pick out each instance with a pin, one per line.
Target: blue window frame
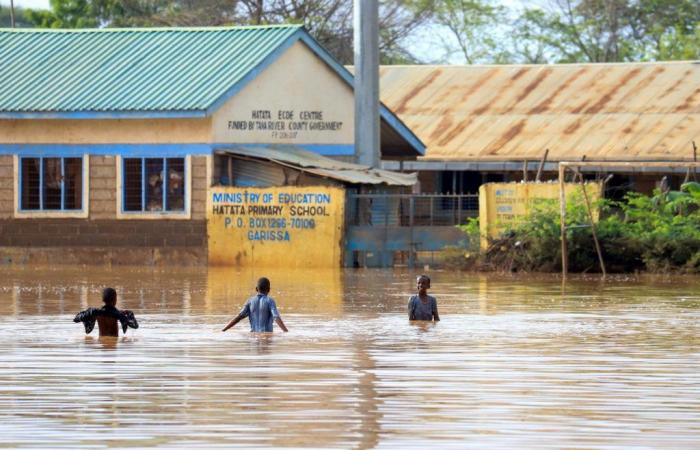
(153, 185)
(51, 183)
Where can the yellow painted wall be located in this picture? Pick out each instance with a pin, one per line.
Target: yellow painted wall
(502, 205)
(122, 131)
(260, 227)
(283, 104)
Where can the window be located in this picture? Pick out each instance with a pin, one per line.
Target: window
(51, 184)
(154, 185)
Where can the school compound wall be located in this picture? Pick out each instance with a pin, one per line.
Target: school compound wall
(276, 227)
(102, 236)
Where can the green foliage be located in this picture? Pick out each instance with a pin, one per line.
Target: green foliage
(656, 233)
(613, 30)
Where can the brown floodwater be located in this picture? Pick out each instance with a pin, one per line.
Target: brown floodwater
(515, 363)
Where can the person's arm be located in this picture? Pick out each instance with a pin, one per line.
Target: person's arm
(233, 322)
(436, 316)
(411, 309)
(276, 315)
(241, 315)
(279, 322)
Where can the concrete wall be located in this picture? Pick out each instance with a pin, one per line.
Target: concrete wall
(6, 187)
(101, 238)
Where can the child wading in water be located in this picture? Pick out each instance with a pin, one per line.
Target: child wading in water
(260, 310)
(423, 306)
(108, 317)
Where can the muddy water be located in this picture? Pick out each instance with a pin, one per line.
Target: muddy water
(515, 363)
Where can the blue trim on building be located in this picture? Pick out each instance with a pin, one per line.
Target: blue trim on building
(156, 150)
(103, 115)
(319, 149)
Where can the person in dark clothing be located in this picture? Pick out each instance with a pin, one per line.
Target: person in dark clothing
(260, 310)
(423, 306)
(108, 317)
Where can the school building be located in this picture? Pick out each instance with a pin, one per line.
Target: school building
(151, 146)
(495, 123)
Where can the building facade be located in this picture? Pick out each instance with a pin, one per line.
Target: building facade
(108, 138)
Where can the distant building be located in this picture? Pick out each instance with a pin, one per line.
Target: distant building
(111, 139)
(482, 123)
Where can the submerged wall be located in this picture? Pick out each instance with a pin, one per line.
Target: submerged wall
(103, 235)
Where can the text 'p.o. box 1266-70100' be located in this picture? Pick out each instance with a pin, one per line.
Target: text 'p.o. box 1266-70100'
(276, 227)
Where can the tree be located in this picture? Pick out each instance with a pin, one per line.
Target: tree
(329, 21)
(614, 30)
(474, 26)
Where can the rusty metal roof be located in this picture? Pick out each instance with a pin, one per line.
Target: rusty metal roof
(320, 165)
(607, 112)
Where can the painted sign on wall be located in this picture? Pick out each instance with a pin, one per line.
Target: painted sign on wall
(276, 227)
(503, 205)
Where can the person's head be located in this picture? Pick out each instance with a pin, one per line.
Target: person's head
(263, 286)
(423, 284)
(109, 296)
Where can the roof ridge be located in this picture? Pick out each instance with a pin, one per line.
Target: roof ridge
(148, 29)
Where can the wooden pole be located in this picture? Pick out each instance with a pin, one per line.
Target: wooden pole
(562, 222)
(590, 217)
(695, 160)
(525, 171)
(541, 167)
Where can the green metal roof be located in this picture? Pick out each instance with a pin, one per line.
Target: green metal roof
(127, 70)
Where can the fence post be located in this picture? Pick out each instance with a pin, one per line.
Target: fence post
(459, 210)
(411, 212)
(562, 222)
(431, 209)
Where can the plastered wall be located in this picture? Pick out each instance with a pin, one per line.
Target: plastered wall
(123, 131)
(296, 100)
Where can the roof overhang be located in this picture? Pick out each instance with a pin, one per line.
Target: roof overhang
(315, 164)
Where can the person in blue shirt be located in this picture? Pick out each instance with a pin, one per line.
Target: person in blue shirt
(423, 306)
(260, 310)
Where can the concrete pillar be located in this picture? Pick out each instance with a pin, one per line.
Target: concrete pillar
(366, 49)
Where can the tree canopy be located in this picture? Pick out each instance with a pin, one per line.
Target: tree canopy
(466, 31)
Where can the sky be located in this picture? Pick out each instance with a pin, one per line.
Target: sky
(36, 4)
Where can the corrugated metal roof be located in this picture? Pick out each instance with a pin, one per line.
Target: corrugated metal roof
(320, 165)
(616, 112)
(160, 69)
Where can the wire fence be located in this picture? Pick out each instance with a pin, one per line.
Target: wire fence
(406, 210)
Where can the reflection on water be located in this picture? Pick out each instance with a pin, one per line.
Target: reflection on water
(515, 362)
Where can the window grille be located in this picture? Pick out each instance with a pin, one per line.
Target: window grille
(51, 184)
(154, 184)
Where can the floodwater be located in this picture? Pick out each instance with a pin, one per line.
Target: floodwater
(515, 363)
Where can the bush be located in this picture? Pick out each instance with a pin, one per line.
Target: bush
(658, 233)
